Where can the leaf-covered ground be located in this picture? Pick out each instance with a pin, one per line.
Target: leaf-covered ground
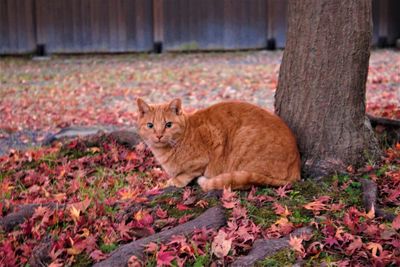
(87, 90)
(108, 194)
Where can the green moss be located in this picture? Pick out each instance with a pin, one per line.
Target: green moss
(381, 171)
(107, 248)
(324, 259)
(285, 257)
(352, 195)
(82, 260)
(263, 216)
(309, 189)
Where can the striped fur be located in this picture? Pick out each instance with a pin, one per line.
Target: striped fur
(232, 144)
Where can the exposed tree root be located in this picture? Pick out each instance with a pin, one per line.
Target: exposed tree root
(386, 129)
(370, 191)
(383, 121)
(94, 136)
(132, 209)
(22, 213)
(212, 218)
(40, 254)
(263, 248)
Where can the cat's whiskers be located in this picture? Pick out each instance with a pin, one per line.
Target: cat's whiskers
(172, 142)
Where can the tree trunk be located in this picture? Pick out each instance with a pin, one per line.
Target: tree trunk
(321, 88)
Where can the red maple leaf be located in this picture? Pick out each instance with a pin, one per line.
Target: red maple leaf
(124, 230)
(280, 210)
(97, 255)
(396, 223)
(151, 247)
(229, 199)
(162, 214)
(283, 190)
(165, 257)
(330, 241)
(180, 206)
(353, 246)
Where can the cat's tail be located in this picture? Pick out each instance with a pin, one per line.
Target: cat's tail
(240, 180)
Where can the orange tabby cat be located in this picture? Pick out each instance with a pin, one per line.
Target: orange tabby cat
(232, 144)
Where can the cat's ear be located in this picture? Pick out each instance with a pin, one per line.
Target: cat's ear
(176, 106)
(142, 106)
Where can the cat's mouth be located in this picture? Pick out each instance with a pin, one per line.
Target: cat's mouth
(159, 143)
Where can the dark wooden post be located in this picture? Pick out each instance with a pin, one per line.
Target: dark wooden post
(383, 6)
(158, 25)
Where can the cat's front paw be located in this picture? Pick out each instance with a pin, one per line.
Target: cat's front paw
(202, 181)
(174, 182)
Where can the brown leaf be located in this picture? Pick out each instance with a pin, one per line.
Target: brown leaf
(221, 245)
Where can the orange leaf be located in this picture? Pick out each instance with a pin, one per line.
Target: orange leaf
(74, 213)
(371, 213)
(375, 248)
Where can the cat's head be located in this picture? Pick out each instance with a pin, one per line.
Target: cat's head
(161, 125)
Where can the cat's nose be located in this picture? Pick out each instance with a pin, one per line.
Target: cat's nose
(159, 136)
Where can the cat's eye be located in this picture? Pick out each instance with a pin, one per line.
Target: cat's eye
(168, 125)
(149, 125)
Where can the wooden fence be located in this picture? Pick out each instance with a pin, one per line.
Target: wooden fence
(85, 26)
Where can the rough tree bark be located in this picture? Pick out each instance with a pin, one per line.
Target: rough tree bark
(321, 88)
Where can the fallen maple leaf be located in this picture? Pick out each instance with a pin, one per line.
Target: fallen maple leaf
(56, 263)
(181, 207)
(40, 212)
(318, 204)
(165, 257)
(353, 246)
(283, 190)
(221, 245)
(375, 249)
(134, 262)
(371, 213)
(162, 214)
(151, 247)
(330, 240)
(202, 203)
(97, 255)
(229, 198)
(124, 230)
(396, 223)
(280, 210)
(297, 246)
(74, 213)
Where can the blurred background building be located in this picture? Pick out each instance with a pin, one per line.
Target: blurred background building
(109, 26)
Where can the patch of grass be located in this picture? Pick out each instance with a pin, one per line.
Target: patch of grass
(324, 259)
(72, 154)
(381, 171)
(49, 159)
(107, 248)
(82, 260)
(263, 216)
